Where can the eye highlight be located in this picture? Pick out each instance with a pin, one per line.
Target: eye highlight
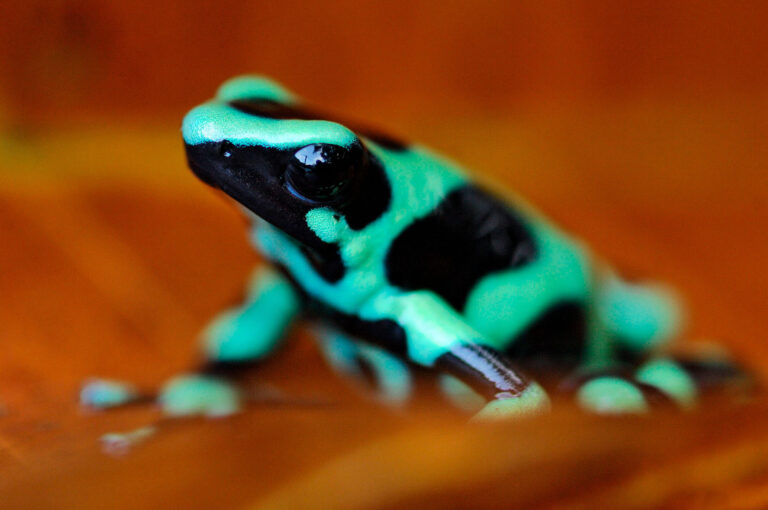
(226, 149)
(321, 172)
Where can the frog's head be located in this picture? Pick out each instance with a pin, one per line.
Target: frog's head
(257, 144)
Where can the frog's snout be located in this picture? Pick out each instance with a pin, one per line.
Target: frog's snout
(197, 126)
(199, 161)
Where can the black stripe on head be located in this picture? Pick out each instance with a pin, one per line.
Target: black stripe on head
(275, 110)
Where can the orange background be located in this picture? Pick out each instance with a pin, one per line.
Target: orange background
(640, 126)
(148, 57)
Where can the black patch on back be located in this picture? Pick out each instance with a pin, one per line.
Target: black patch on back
(274, 110)
(469, 235)
(556, 340)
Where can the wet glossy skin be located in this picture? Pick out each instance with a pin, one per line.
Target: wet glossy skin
(408, 262)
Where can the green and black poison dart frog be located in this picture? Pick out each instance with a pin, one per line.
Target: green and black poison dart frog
(408, 262)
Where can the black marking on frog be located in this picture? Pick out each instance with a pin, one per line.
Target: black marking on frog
(227, 369)
(328, 264)
(254, 176)
(556, 340)
(385, 333)
(469, 235)
(367, 372)
(274, 110)
(372, 197)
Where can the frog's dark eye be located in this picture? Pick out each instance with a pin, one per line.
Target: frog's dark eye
(320, 172)
(226, 149)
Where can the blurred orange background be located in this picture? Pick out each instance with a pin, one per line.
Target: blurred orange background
(640, 126)
(73, 58)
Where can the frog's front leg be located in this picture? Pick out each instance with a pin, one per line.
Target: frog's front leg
(439, 337)
(235, 339)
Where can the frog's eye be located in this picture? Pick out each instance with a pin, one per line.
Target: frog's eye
(321, 172)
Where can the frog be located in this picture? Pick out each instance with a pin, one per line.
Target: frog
(406, 263)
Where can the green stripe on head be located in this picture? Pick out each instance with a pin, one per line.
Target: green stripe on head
(254, 87)
(216, 121)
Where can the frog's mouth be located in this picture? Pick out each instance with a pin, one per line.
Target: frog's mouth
(201, 173)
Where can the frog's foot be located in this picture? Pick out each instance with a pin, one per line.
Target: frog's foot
(460, 394)
(200, 395)
(107, 394)
(532, 401)
(706, 373)
(612, 395)
(661, 381)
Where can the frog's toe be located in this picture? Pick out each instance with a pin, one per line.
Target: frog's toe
(106, 394)
(532, 401)
(612, 395)
(189, 395)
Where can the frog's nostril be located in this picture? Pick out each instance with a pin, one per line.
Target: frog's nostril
(226, 149)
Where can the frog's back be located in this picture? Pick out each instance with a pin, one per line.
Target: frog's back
(519, 281)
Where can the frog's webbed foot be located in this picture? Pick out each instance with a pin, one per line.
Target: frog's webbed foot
(663, 381)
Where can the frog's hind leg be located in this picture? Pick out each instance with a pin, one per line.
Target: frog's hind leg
(373, 368)
(657, 381)
(637, 317)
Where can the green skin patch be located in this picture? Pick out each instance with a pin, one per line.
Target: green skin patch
(534, 400)
(103, 393)
(253, 330)
(501, 305)
(670, 378)
(610, 395)
(460, 394)
(200, 395)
